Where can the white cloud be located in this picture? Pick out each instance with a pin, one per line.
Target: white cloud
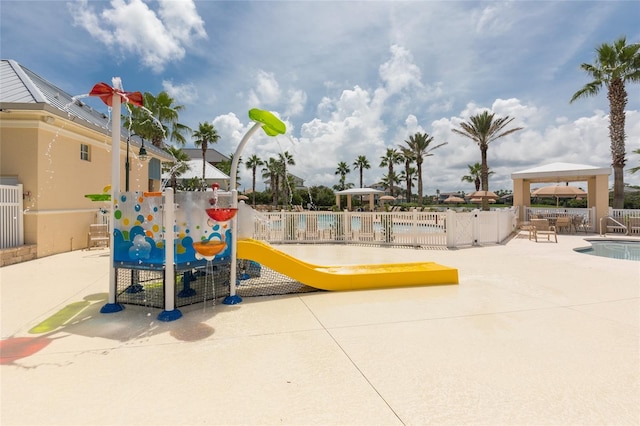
(265, 92)
(356, 122)
(400, 72)
(355, 82)
(296, 100)
(493, 19)
(182, 93)
(133, 28)
(182, 20)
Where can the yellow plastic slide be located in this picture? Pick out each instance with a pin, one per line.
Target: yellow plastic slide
(348, 277)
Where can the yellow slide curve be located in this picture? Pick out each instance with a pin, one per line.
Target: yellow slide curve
(347, 277)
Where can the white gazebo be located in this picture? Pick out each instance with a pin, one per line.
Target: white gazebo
(597, 179)
(358, 191)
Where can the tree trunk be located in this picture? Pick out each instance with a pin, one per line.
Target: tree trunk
(253, 187)
(419, 166)
(617, 102)
(484, 176)
(204, 160)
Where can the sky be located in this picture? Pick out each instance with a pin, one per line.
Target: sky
(349, 78)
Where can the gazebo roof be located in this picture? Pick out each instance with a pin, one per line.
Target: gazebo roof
(359, 191)
(561, 172)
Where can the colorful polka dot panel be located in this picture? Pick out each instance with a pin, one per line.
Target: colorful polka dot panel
(140, 236)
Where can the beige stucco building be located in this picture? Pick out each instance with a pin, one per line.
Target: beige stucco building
(59, 149)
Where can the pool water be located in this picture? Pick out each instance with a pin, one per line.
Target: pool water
(614, 249)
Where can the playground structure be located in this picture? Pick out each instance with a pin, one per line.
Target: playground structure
(158, 240)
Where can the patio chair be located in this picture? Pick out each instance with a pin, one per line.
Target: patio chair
(542, 227)
(563, 222)
(529, 228)
(633, 225)
(311, 232)
(98, 235)
(366, 232)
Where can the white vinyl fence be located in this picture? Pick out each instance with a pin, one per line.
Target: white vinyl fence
(11, 216)
(429, 229)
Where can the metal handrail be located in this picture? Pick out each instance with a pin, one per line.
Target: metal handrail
(622, 225)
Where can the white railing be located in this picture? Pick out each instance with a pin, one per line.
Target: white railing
(11, 216)
(413, 228)
(581, 218)
(622, 221)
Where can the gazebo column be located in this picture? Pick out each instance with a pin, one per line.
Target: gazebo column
(601, 198)
(349, 202)
(338, 201)
(521, 195)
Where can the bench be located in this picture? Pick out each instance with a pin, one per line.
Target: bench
(98, 235)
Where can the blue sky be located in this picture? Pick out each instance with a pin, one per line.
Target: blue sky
(349, 78)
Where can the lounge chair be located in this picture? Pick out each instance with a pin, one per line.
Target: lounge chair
(542, 227)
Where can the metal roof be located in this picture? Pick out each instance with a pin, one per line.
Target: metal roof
(213, 155)
(195, 171)
(20, 85)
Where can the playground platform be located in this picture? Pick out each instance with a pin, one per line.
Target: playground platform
(533, 334)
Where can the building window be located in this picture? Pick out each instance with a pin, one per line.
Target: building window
(84, 152)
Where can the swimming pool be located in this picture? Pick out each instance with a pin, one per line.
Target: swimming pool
(614, 249)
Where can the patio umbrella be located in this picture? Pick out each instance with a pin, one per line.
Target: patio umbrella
(559, 191)
(387, 198)
(453, 200)
(242, 197)
(484, 194)
(479, 200)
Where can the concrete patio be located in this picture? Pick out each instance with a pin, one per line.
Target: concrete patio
(534, 334)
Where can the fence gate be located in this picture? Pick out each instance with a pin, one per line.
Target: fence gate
(11, 216)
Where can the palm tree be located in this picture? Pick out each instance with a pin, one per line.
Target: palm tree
(419, 144)
(408, 156)
(163, 122)
(253, 163)
(205, 135)
(286, 160)
(408, 176)
(225, 167)
(637, 168)
(361, 163)
(342, 170)
(391, 158)
(474, 175)
(388, 180)
(177, 167)
(271, 171)
(483, 129)
(615, 64)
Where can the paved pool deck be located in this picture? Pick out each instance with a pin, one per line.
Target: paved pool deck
(534, 334)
